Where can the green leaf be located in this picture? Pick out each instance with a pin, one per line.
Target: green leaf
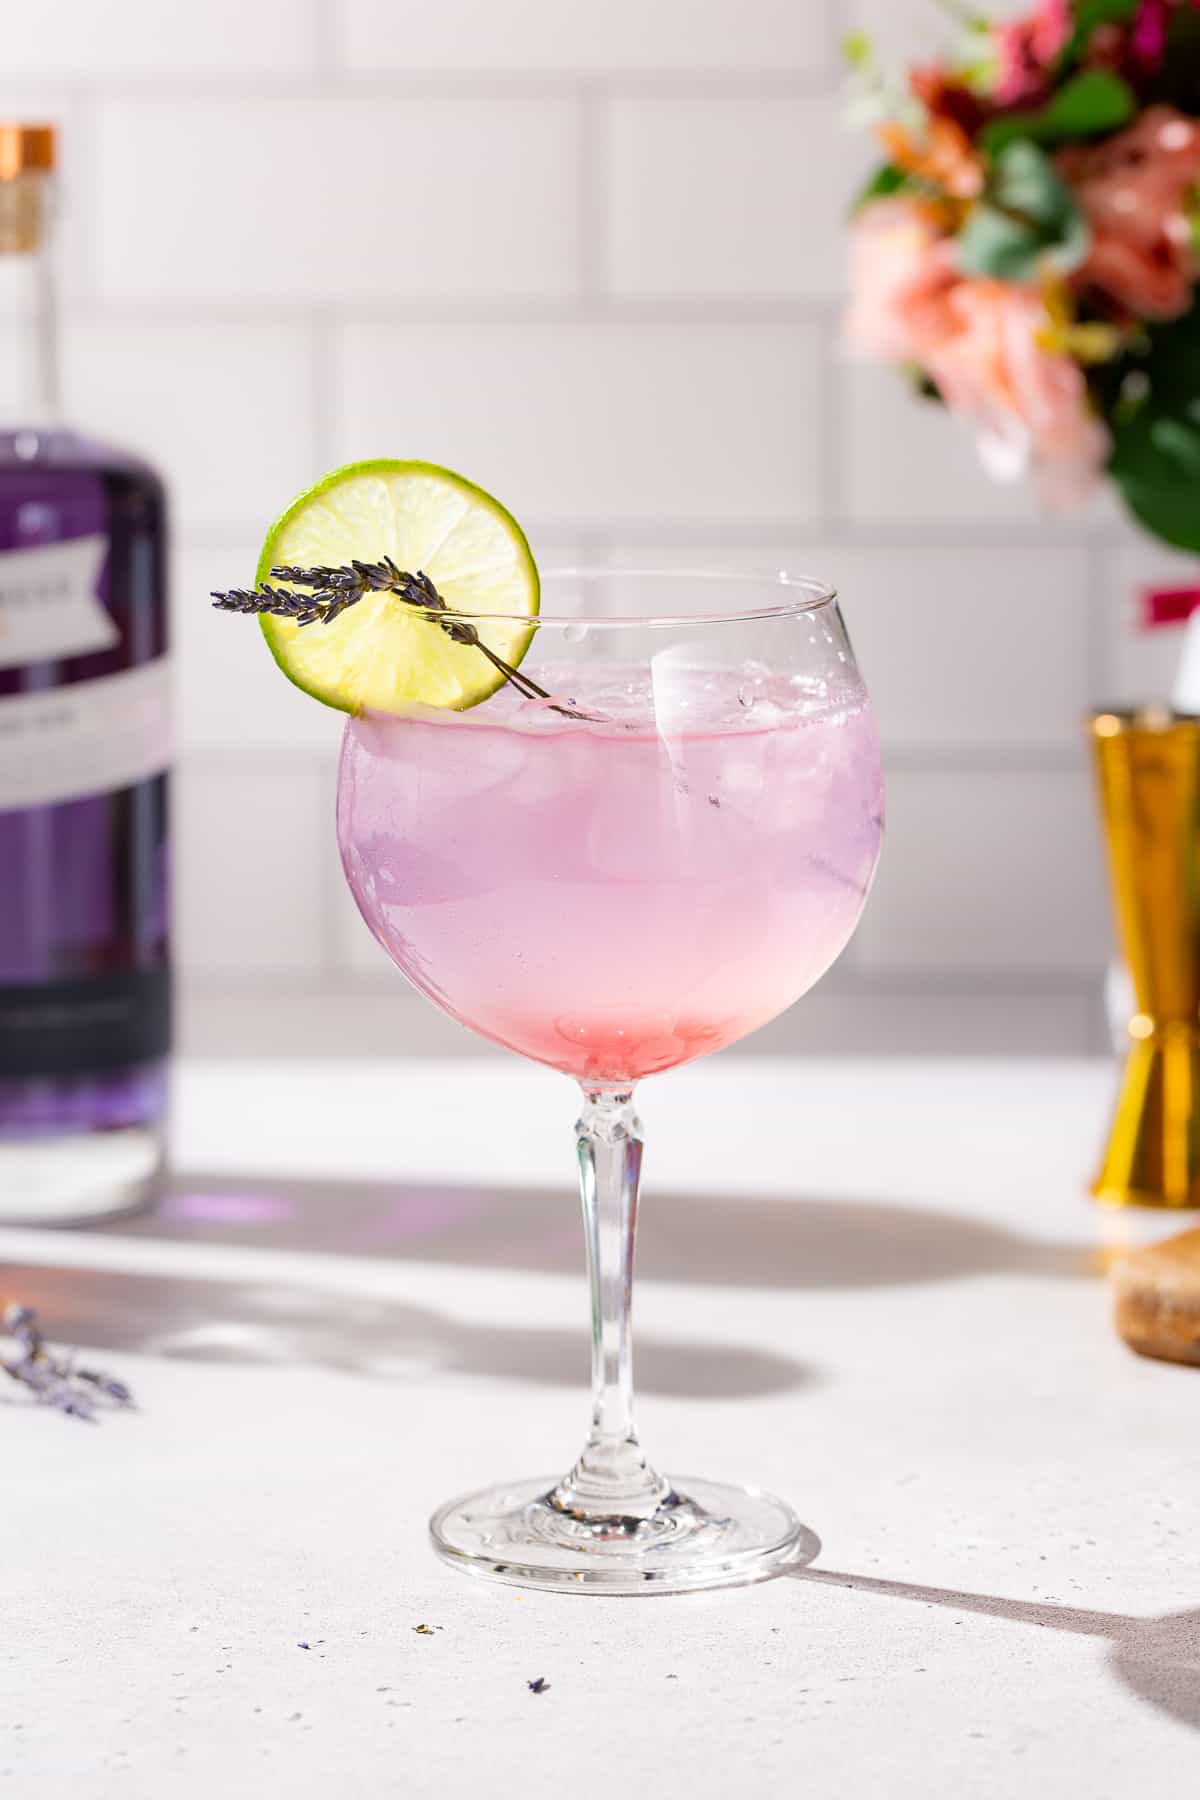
(1026, 222)
(1090, 13)
(1025, 181)
(1170, 513)
(999, 247)
(1091, 102)
(886, 181)
(1156, 438)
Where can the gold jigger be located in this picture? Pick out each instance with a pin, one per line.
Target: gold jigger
(1148, 765)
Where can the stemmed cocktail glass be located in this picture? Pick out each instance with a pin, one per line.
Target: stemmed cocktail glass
(634, 873)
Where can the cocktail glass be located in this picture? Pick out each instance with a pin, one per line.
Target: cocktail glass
(643, 869)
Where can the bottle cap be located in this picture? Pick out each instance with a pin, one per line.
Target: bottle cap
(24, 147)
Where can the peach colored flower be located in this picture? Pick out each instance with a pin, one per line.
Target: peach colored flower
(901, 269)
(1133, 190)
(1028, 402)
(941, 154)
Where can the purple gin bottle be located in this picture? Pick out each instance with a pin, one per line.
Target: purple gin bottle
(84, 746)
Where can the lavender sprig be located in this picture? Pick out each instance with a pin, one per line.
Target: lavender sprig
(332, 590)
(55, 1380)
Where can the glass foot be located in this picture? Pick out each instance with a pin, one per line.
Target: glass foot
(704, 1535)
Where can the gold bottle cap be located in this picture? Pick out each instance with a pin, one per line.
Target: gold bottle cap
(24, 147)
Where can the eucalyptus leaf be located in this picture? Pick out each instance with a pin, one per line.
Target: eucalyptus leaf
(995, 245)
(1178, 441)
(1025, 181)
(1026, 222)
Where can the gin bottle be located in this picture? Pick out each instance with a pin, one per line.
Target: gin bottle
(84, 747)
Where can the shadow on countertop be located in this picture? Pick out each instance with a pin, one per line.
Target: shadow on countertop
(1158, 1659)
(272, 1322)
(704, 1240)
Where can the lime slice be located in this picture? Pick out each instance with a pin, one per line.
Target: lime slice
(382, 653)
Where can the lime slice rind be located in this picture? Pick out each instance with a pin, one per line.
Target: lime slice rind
(383, 654)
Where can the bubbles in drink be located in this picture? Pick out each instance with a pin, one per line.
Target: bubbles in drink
(754, 685)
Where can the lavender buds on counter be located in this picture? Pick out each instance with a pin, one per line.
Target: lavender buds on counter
(53, 1378)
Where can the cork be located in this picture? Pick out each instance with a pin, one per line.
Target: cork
(1157, 1295)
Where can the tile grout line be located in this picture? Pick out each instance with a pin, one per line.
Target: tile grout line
(734, 534)
(457, 311)
(336, 81)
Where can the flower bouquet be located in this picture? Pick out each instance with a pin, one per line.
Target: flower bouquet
(1030, 249)
(1030, 252)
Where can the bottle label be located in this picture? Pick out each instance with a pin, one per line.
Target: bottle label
(85, 1027)
(50, 607)
(90, 737)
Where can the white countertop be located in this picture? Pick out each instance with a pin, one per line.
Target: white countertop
(872, 1287)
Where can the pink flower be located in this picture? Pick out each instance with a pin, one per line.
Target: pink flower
(1028, 402)
(901, 268)
(1134, 189)
(1026, 50)
(1149, 36)
(1050, 30)
(981, 343)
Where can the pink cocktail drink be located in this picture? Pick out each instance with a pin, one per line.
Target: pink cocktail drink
(614, 823)
(619, 894)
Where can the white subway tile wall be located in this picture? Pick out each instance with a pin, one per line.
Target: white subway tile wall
(592, 422)
(621, 37)
(594, 256)
(701, 207)
(906, 465)
(310, 199)
(225, 408)
(119, 41)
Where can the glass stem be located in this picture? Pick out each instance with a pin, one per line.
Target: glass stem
(612, 1479)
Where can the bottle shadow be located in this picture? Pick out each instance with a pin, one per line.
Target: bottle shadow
(698, 1239)
(1157, 1659)
(260, 1321)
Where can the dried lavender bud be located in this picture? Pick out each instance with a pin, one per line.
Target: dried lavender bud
(112, 1389)
(336, 589)
(53, 1380)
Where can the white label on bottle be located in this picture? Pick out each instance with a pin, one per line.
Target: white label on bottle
(1185, 695)
(89, 738)
(49, 606)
